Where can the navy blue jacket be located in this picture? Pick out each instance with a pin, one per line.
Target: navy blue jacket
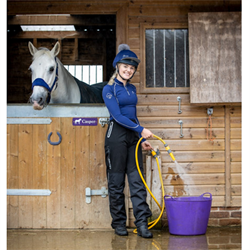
(121, 102)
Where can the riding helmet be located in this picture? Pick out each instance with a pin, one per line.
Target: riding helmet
(125, 55)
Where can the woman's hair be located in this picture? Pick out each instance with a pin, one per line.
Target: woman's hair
(112, 78)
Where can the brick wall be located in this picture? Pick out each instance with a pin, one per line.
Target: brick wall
(225, 216)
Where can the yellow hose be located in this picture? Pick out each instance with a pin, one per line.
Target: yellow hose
(154, 222)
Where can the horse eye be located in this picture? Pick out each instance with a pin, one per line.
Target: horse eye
(51, 69)
(30, 69)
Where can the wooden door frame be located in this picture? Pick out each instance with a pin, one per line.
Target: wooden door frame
(120, 9)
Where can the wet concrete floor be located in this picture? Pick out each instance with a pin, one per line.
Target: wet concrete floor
(215, 238)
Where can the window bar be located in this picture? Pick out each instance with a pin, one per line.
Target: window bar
(81, 73)
(74, 70)
(154, 54)
(95, 73)
(164, 59)
(175, 58)
(89, 74)
(185, 59)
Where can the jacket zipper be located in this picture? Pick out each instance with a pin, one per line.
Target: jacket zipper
(127, 90)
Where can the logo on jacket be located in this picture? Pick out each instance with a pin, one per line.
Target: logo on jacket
(109, 96)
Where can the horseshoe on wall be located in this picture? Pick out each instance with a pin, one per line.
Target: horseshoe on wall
(55, 143)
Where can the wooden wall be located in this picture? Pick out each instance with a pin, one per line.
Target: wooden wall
(211, 166)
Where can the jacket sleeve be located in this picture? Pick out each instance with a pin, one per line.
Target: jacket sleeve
(114, 110)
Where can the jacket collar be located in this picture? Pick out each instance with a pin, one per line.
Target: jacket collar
(121, 83)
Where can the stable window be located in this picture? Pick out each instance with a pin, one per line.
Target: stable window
(167, 58)
(89, 74)
(165, 53)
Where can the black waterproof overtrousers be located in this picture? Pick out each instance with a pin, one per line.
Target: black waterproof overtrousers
(120, 144)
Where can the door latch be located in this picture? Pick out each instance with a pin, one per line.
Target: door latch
(88, 192)
(104, 121)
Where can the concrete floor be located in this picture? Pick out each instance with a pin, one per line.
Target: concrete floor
(215, 238)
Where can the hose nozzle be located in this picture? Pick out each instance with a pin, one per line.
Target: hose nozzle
(169, 152)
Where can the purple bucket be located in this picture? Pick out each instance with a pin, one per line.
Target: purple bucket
(188, 215)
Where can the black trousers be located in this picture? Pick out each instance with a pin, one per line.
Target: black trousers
(120, 144)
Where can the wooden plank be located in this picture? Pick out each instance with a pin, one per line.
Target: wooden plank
(25, 146)
(161, 99)
(171, 20)
(236, 201)
(193, 179)
(196, 122)
(195, 167)
(170, 3)
(99, 216)
(73, 8)
(153, 110)
(127, 199)
(188, 133)
(196, 156)
(148, 178)
(82, 175)
(235, 133)
(12, 175)
(39, 175)
(235, 156)
(154, 10)
(235, 122)
(236, 179)
(236, 190)
(227, 157)
(53, 176)
(122, 25)
(212, 29)
(183, 145)
(235, 144)
(194, 190)
(235, 111)
(156, 190)
(67, 174)
(236, 167)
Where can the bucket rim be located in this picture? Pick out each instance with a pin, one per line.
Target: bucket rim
(189, 198)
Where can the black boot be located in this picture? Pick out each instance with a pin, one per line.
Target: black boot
(121, 230)
(144, 232)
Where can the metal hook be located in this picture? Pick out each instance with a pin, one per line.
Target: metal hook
(181, 123)
(55, 143)
(179, 100)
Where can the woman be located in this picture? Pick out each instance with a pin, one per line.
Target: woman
(121, 139)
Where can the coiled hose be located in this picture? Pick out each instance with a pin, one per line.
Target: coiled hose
(154, 222)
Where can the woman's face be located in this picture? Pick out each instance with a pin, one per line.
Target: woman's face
(126, 71)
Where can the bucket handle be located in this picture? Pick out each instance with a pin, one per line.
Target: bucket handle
(207, 193)
(169, 196)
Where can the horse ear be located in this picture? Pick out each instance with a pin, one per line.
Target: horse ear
(32, 48)
(56, 49)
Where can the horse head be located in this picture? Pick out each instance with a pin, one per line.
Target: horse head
(44, 70)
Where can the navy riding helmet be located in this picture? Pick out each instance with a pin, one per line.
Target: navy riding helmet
(125, 55)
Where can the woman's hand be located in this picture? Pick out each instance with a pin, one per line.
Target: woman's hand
(146, 145)
(146, 133)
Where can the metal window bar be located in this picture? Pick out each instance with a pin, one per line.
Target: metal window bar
(164, 58)
(175, 58)
(185, 58)
(154, 55)
(97, 73)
